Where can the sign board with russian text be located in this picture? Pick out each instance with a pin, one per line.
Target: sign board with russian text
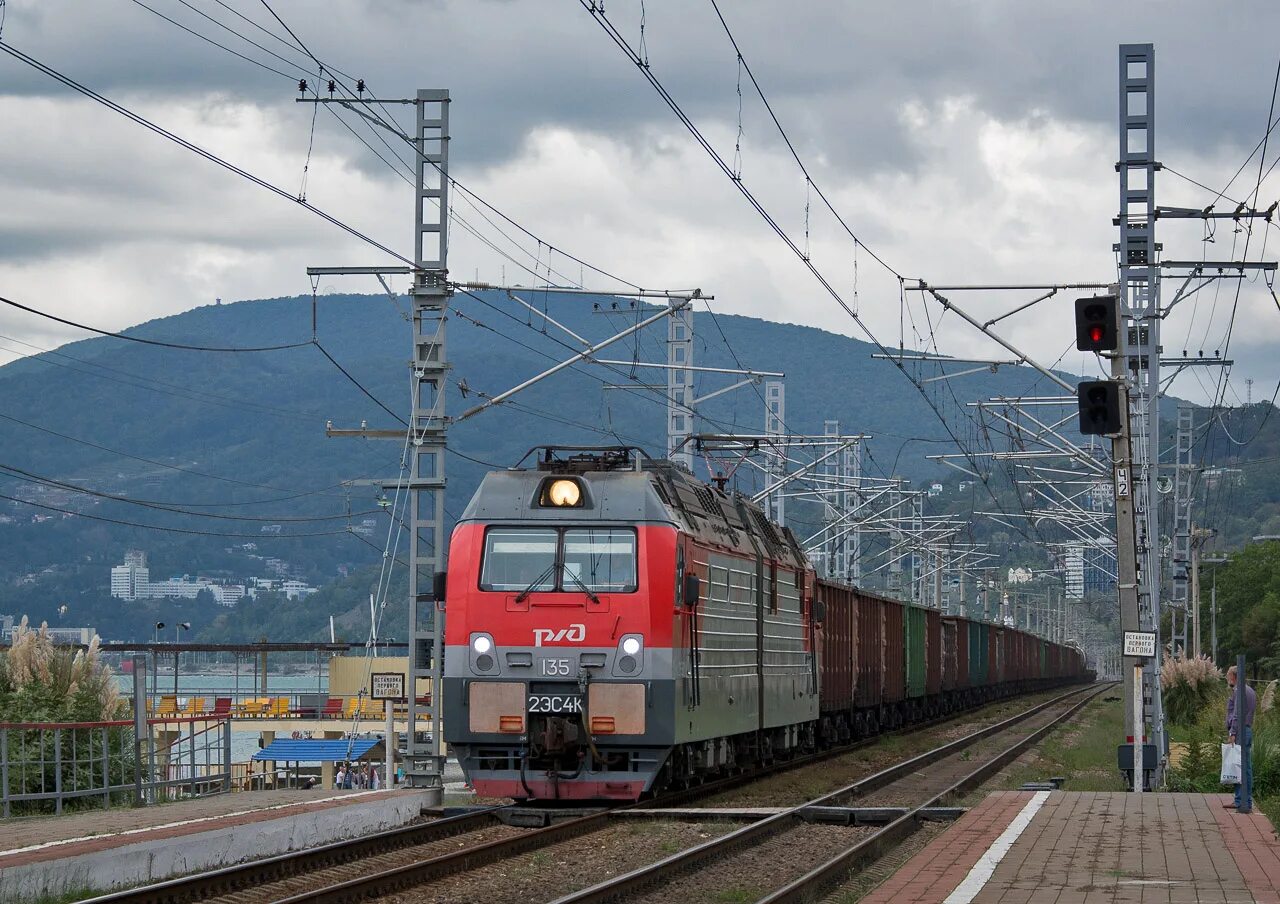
(1140, 643)
(386, 685)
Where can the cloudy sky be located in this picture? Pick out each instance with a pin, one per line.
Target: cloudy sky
(963, 143)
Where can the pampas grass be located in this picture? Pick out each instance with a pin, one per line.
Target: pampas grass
(1190, 685)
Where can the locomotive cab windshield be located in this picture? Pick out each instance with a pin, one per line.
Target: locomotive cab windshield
(567, 559)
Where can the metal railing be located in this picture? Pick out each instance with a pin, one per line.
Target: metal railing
(46, 767)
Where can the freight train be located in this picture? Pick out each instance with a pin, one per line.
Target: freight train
(615, 628)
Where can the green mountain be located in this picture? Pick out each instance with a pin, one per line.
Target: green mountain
(227, 452)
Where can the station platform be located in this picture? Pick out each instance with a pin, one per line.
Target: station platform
(99, 850)
(1060, 847)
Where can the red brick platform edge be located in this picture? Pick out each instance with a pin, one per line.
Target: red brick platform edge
(1253, 846)
(937, 870)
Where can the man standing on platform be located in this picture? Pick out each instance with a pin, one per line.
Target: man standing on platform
(1240, 731)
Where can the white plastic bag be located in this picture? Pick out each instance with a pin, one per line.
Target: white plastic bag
(1231, 764)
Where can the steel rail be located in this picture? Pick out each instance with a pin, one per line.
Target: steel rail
(871, 849)
(678, 797)
(244, 876)
(635, 882)
(400, 878)
(241, 876)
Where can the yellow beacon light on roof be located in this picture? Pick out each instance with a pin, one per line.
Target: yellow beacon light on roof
(564, 493)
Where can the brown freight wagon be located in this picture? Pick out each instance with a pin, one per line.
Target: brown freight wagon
(839, 646)
(950, 657)
(995, 660)
(868, 691)
(895, 653)
(933, 652)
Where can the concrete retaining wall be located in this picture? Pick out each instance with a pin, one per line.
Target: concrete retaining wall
(154, 859)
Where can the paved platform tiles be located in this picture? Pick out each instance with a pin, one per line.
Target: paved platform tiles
(103, 849)
(1061, 847)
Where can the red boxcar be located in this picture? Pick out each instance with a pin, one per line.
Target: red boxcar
(870, 658)
(995, 662)
(962, 651)
(839, 646)
(950, 660)
(1015, 651)
(895, 654)
(932, 651)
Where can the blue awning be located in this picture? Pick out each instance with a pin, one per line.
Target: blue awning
(312, 750)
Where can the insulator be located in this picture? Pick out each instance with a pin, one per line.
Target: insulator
(359, 86)
(302, 85)
(333, 86)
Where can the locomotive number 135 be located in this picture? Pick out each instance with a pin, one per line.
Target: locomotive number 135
(558, 668)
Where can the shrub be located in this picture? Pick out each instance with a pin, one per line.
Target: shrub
(1189, 685)
(40, 682)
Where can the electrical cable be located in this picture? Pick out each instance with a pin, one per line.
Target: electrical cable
(152, 461)
(194, 148)
(357, 383)
(790, 146)
(209, 40)
(173, 508)
(173, 530)
(452, 181)
(162, 387)
(156, 342)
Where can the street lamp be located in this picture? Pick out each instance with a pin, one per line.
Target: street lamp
(155, 662)
(183, 626)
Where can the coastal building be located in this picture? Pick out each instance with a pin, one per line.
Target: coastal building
(58, 635)
(296, 589)
(131, 580)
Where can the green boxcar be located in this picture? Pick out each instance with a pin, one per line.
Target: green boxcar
(978, 653)
(914, 642)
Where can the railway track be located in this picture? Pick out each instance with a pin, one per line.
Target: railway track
(412, 856)
(661, 881)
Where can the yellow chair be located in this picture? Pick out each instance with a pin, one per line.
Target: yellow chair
(278, 708)
(353, 703)
(251, 707)
(194, 707)
(168, 705)
(373, 709)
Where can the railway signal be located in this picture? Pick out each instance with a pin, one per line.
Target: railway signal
(1099, 407)
(1096, 324)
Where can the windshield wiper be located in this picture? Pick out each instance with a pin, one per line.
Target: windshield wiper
(585, 589)
(546, 573)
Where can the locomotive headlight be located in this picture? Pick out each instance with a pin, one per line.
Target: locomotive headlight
(630, 651)
(564, 493)
(482, 656)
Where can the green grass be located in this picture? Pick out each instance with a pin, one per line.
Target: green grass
(1083, 751)
(67, 897)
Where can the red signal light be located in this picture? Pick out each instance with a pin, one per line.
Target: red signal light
(1096, 332)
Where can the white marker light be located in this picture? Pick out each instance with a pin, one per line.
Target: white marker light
(482, 644)
(565, 493)
(631, 646)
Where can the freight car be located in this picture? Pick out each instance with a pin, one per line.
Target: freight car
(614, 628)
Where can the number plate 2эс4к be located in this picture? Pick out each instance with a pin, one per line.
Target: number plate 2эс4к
(555, 704)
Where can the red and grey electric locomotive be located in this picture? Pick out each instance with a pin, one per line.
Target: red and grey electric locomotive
(615, 627)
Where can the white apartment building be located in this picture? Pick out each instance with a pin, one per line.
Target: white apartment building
(296, 589)
(131, 580)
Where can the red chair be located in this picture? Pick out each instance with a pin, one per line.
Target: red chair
(332, 708)
(221, 706)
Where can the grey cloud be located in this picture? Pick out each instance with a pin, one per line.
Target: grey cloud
(836, 71)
